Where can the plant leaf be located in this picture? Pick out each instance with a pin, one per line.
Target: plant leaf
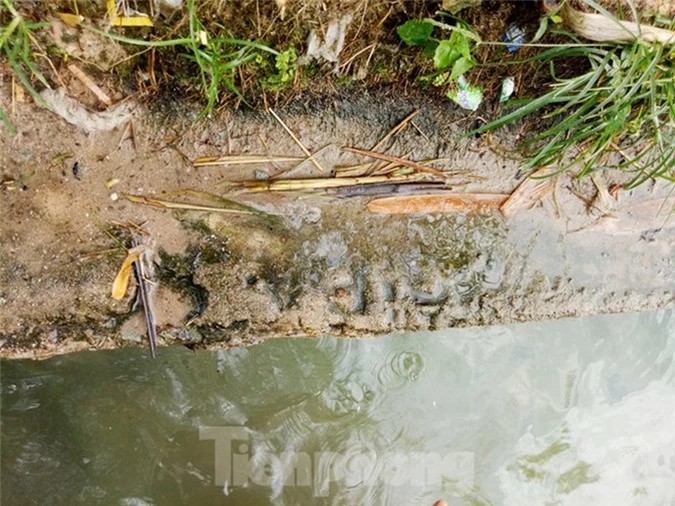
(543, 26)
(461, 44)
(430, 48)
(414, 32)
(461, 66)
(445, 54)
(119, 287)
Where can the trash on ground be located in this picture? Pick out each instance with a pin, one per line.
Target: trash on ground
(330, 46)
(437, 203)
(120, 14)
(466, 95)
(514, 36)
(75, 113)
(508, 87)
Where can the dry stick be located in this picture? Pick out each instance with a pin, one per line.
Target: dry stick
(297, 141)
(294, 169)
(401, 161)
(91, 85)
(324, 183)
(395, 130)
(144, 292)
(389, 135)
(244, 160)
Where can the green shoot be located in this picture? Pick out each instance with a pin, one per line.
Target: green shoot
(15, 43)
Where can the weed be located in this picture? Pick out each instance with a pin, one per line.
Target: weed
(15, 41)
(624, 106)
(285, 65)
(217, 57)
(452, 53)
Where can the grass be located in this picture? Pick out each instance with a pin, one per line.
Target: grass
(216, 57)
(16, 39)
(620, 114)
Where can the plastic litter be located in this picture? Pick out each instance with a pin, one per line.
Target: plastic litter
(330, 47)
(75, 113)
(515, 36)
(508, 86)
(466, 95)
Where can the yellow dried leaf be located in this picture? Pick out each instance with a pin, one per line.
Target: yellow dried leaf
(131, 21)
(111, 8)
(119, 287)
(111, 182)
(70, 19)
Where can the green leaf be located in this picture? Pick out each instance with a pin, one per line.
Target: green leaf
(415, 33)
(543, 26)
(461, 66)
(461, 43)
(430, 48)
(445, 54)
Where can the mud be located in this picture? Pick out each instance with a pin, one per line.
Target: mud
(326, 266)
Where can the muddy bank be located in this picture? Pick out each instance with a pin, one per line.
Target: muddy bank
(326, 265)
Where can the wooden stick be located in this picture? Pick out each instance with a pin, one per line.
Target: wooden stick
(437, 203)
(93, 87)
(297, 141)
(395, 130)
(401, 161)
(145, 296)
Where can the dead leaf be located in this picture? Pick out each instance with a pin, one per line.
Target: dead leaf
(440, 203)
(70, 19)
(121, 283)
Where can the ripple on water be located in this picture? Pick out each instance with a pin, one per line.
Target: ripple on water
(399, 369)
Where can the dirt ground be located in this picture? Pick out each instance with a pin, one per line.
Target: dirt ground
(326, 264)
(329, 266)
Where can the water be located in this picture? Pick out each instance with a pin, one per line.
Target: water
(564, 413)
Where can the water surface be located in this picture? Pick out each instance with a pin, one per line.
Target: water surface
(567, 413)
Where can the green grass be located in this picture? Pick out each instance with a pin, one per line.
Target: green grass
(620, 114)
(15, 43)
(216, 57)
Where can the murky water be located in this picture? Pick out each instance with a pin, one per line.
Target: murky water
(569, 412)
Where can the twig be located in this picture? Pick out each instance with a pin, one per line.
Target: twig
(87, 81)
(244, 160)
(401, 161)
(395, 130)
(325, 183)
(293, 170)
(297, 141)
(144, 292)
